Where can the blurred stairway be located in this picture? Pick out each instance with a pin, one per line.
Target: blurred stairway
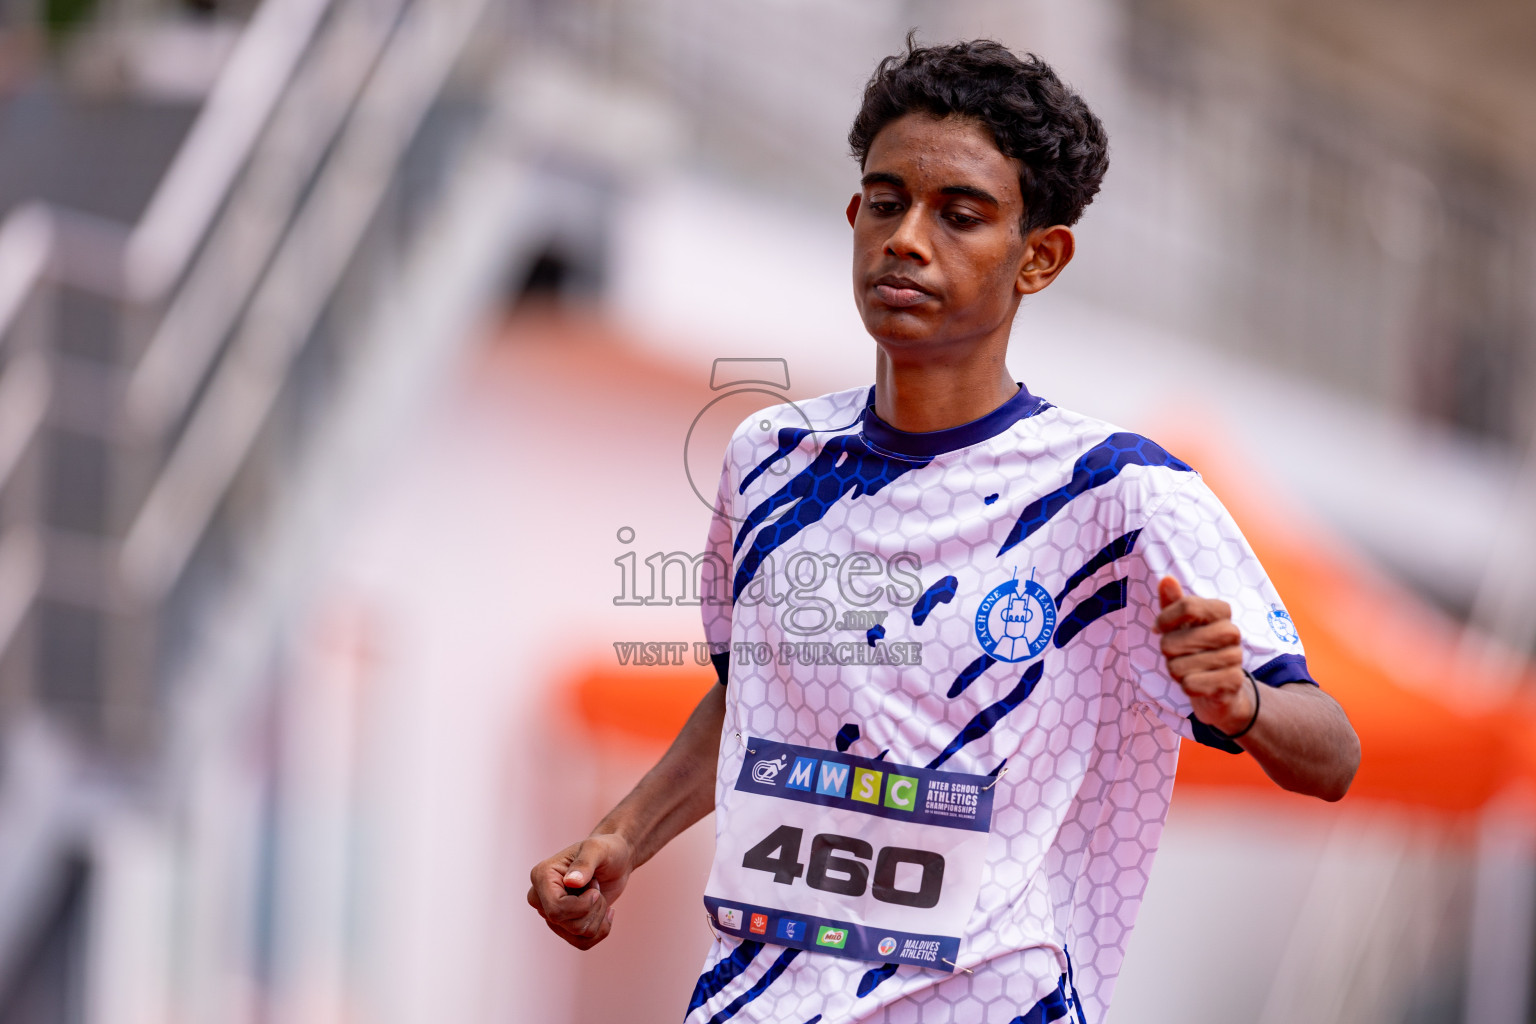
(188, 401)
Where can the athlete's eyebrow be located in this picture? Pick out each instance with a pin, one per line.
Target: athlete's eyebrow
(883, 178)
(972, 191)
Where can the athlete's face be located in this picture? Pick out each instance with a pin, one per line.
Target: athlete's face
(939, 255)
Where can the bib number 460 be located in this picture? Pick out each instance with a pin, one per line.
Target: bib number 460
(837, 864)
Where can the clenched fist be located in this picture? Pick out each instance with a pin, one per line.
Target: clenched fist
(1204, 651)
(574, 890)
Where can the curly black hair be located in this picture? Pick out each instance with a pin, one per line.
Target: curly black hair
(1061, 146)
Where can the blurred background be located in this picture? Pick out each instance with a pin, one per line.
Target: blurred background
(357, 378)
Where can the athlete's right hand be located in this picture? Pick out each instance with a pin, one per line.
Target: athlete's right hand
(599, 866)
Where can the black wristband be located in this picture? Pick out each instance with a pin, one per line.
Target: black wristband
(1244, 730)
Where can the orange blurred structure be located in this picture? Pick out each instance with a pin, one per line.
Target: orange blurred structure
(647, 704)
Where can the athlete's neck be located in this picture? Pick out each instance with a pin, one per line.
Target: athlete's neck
(920, 398)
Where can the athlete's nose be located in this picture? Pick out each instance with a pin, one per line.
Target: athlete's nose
(908, 241)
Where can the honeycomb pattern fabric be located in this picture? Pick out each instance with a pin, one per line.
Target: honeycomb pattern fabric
(829, 519)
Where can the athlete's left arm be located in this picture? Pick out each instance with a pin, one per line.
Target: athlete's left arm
(1301, 738)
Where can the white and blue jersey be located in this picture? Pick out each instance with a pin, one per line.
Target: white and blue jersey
(950, 734)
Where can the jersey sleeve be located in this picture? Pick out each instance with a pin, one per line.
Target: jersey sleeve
(716, 579)
(1193, 538)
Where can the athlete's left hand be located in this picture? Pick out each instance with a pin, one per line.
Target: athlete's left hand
(1203, 648)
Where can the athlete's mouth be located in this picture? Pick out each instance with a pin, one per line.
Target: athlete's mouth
(895, 290)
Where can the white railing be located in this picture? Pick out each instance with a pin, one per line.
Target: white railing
(226, 277)
(289, 298)
(219, 145)
(231, 266)
(44, 248)
(304, 123)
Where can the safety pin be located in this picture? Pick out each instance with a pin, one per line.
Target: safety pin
(957, 967)
(996, 779)
(750, 750)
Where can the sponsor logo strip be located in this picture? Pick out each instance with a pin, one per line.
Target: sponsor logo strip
(882, 789)
(836, 938)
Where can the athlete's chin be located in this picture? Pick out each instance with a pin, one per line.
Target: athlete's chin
(899, 328)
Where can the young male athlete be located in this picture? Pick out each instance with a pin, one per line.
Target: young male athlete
(952, 814)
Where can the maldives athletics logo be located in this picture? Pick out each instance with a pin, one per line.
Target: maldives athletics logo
(1016, 620)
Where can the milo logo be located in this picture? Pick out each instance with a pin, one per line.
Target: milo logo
(826, 935)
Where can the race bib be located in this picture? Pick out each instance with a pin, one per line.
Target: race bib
(844, 855)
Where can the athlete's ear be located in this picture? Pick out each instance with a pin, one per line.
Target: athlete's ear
(853, 209)
(1047, 251)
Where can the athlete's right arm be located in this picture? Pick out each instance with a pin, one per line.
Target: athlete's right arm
(674, 794)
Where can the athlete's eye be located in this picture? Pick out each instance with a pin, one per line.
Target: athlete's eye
(885, 207)
(962, 220)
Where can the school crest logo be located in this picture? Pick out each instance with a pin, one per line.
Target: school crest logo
(1016, 620)
(1282, 626)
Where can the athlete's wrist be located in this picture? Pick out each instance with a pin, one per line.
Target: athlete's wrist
(1253, 716)
(1234, 711)
(611, 832)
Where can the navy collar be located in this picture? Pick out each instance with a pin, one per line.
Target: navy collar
(936, 442)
